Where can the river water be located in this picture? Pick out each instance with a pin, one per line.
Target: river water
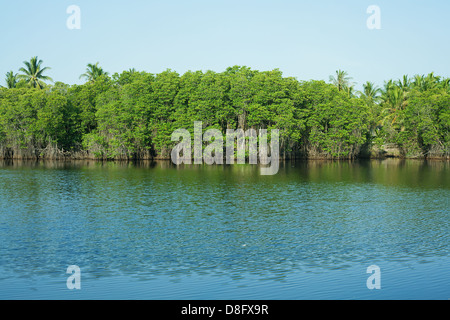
(151, 230)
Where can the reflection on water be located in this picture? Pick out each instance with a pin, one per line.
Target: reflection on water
(151, 221)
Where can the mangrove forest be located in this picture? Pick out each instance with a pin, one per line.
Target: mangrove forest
(131, 115)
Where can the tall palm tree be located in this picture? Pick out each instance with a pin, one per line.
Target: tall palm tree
(371, 96)
(405, 83)
(370, 92)
(431, 81)
(423, 83)
(93, 71)
(394, 99)
(11, 79)
(33, 73)
(418, 82)
(341, 81)
(350, 89)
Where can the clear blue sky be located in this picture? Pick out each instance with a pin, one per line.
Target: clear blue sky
(304, 39)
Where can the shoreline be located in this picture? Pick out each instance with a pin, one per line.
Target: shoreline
(93, 159)
(388, 151)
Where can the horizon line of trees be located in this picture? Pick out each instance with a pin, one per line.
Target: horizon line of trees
(132, 115)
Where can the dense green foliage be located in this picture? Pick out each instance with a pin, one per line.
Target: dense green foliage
(133, 114)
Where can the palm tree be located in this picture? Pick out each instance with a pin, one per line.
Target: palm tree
(445, 84)
(33, 74)
(418, 82)
(350, 90)
(11, 79)
(394, 99)
(370, 92)
(405, 83)
(431, 81)
(371, 96)
(341, 80)
(423, 83)
(93, 71)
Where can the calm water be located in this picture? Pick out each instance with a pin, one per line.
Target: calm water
(156, 231)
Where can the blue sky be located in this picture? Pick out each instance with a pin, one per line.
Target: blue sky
(304, 39)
